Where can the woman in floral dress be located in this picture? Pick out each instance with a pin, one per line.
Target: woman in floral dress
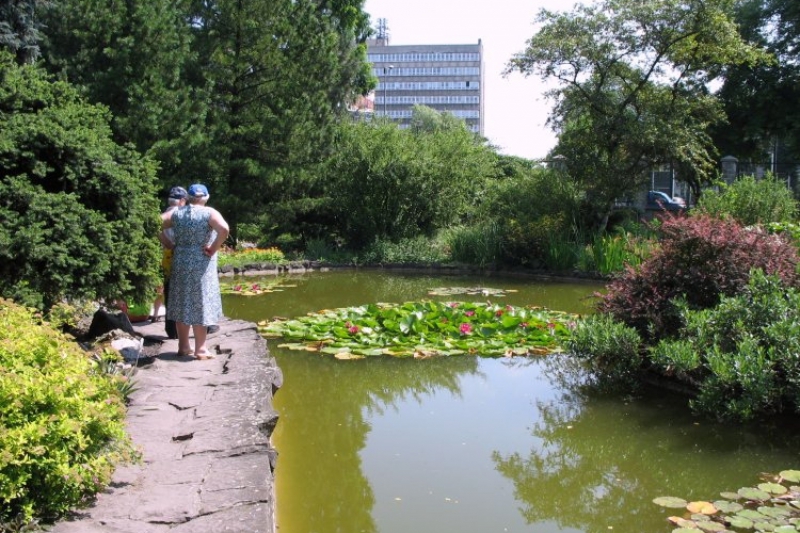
(194, 298)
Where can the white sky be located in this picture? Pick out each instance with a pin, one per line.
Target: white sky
(515, 107)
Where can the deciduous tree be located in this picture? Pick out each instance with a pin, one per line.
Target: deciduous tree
(632, 87)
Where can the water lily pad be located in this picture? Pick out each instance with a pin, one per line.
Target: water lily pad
(751, 514)
(786, 529)
(671, 502)
(687, 530)
(752, 493)
(348, 356)
(730, 495)
(740, 522)
(725, 506)
(470, 291)
(775, 512)
(773, 488)
(709, 525)
(791, 475)
(706, 508)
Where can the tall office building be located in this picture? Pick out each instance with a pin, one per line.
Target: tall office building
(446, 77)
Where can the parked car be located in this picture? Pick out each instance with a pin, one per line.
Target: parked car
(657, 200)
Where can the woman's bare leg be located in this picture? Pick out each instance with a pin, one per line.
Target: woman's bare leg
(200, 351)
(184, 348)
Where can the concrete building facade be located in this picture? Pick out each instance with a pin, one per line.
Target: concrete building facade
(447, 77)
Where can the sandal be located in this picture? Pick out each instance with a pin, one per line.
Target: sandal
(185, 353)
(204, 356)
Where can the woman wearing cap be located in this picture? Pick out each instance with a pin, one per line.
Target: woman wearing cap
(194, 297)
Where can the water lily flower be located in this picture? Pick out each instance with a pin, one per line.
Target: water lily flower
(453, 304)
(470, 313)
(353, 330)
(499, 312)
(465, 328)
(524, 325)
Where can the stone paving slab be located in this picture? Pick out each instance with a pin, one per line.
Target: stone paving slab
(203, 429)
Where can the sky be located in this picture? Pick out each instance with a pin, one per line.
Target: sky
(516, 110)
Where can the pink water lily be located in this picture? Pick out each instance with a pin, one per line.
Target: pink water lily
(465, 328)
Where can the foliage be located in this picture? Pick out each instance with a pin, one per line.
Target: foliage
(610, 350)
(609, 254)
(789, 229)
(134, 58)
(390, 184)
(632, 93)
(750, 201)
(276, 284)
(769, 506)
(249, 256)
(242, 94)
(20, 28)
(67, 315)
(741, 355)
(425, 329)
(79, 212)
(411, 250)
(279, 74)
(760, 100)
(477, 244)
(699, 259)
(530, 209)
(61, 424)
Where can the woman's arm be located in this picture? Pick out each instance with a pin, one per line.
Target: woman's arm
(219, 225)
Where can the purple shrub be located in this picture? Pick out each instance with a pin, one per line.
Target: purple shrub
(700, 258)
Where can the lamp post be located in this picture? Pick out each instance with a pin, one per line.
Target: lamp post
(386, 71)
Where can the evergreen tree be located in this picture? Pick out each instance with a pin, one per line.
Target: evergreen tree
(78, 214)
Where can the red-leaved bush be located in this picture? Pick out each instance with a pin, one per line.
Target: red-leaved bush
(700, 259)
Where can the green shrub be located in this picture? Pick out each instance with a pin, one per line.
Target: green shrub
(61, 422)
(79, 213)
(610, 350)
(249, 256)
(743, 356)
(750, 201)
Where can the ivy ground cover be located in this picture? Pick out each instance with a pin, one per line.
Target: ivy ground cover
(425, 329)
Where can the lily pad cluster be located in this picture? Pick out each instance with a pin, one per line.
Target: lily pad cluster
(253, 289)
(425, 329)
(770, 506)
(470, 291)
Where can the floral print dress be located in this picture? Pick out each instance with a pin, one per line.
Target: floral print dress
(194, 296)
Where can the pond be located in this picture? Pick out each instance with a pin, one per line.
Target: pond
(477, 445)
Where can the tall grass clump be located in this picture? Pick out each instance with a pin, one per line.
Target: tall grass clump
(479, 245)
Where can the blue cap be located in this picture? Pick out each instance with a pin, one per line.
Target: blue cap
(198, 190)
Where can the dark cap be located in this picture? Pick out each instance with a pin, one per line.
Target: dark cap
(178, 193)
(198, 190)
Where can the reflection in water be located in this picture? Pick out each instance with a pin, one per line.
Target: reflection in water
(475, 445)
(327, 490)
(602, 460)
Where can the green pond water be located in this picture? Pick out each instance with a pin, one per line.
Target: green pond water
(476, 445)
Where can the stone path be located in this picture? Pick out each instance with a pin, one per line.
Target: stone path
(203, 428)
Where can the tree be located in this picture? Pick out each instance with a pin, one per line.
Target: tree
(78, 214)
(633, 78)
(761, 100)
(136, 59)
(390, 184)
(281, 73)
(20, 28)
